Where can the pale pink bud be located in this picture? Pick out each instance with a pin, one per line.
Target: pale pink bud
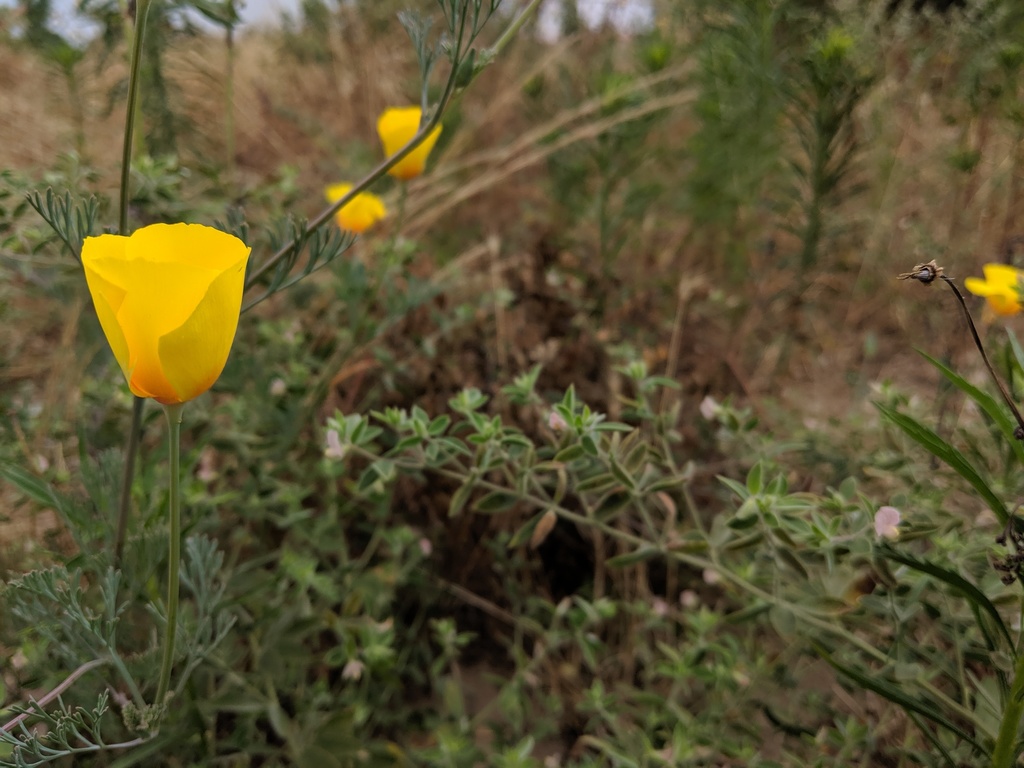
(352, 670)
(335, 450)
(556, 421)
(709, 408)
(887, 522)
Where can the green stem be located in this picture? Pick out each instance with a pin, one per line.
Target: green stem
(173, 413)
(514, 27)
(229, 102)
(1005, 753)
(328, 213)
(141, 12)
(131, 450)
(134, 431)
(396, 227)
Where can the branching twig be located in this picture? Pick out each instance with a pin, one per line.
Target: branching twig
(49, 697)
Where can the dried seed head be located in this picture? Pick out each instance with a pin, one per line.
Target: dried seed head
(926, 273)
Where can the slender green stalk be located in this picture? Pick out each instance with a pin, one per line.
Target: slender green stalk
(361, 186)
(173, 413)
(135, 429)
(229, 102)
(514, 27)
(141, 12)
(1005, 753)
(328, 213)
(131, 450)
(396, 226)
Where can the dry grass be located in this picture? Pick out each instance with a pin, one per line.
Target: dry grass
(492, 179)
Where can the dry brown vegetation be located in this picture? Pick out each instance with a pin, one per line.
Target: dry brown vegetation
(488, 221)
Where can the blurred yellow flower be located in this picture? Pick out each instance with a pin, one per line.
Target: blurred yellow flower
(360, 213)
(168, 298)
(396, 126)
(1001, 288)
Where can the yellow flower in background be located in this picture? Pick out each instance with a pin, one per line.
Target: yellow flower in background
(396, 127)
(1001, 288)
(168, 298)
(360, 213)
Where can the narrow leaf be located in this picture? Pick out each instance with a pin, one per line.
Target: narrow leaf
(898, 696)
(953, 579)
(948, 454)
(995, 409)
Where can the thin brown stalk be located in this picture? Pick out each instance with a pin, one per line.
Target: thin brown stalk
(1019, 432)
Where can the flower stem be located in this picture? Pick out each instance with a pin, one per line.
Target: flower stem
(1005, 753)
(383, 167)
(173, 413)
(131, 450)
(134, 431)
(396, 227)
(514, 27)
(1019, 434)
(141, 11)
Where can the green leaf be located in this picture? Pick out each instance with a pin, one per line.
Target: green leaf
(621, 474)
(570, 453)
(948, 454)
(459, 498)
(895, 694)
(641, 555)
(524, 534)
(35, 488)
(995, 409)
(611, 504)
(497, 501)
(1018, 353)
(599, 482)
(439, 425)
(755, 482)
(969, 591)
(613, 426)
(738, 488)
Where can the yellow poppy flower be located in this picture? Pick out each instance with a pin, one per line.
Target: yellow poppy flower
(360, 213)
(168, 298)
(1001, 288)
(396, 126)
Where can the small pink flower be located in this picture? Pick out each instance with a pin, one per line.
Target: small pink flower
(709, 408)
(689, 599)
(207, 471)
(556, 421)
(711, 576)
(335, 450)
(426, 547)
(887, 522)
(278, 387)
(659, 607)
(352, 670)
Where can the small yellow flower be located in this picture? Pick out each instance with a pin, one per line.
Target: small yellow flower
(1001, 287)
(168, 298)
(396, 126)
(360, 213)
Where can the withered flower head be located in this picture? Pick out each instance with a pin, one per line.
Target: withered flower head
(926, 273)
